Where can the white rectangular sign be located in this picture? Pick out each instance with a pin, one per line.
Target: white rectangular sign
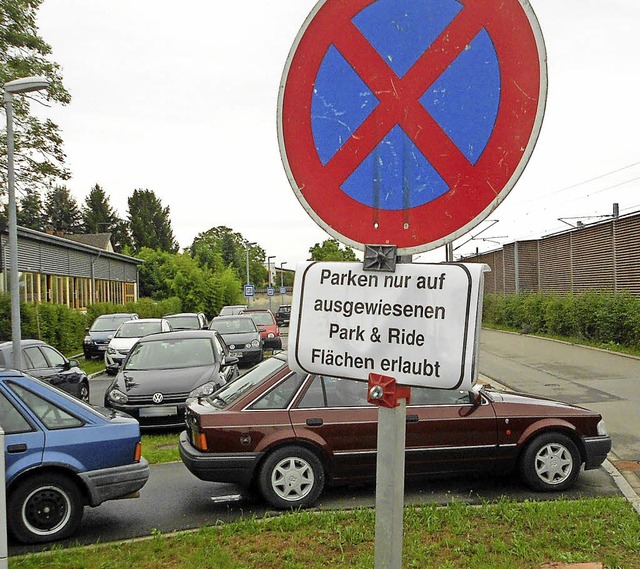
(419, 324)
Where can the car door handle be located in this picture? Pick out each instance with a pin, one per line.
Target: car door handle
(412, 418)
(314, 422)
(21, 447)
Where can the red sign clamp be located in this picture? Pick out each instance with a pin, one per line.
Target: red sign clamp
(385, 392)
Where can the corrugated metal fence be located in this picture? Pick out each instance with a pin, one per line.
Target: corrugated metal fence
(601, 256)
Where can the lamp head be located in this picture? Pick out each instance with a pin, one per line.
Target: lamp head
(26, 85)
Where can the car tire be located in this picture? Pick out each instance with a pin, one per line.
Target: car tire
(44, 508)
(550, 463)
(83, 391)
(291, 477)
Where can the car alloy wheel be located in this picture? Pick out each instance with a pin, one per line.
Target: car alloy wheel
(551, 462)
(291, 477)
(84, 392)
(44, 508)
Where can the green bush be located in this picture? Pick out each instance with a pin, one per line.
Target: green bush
(599, 317)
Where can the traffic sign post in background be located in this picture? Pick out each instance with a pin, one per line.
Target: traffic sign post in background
(405, 123)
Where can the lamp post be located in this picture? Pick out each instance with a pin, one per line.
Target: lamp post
(282, 281)
(16, 87)
(247, 249)
(269, 276)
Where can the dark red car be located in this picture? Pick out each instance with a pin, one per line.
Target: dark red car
(289, 433)
(268, 327)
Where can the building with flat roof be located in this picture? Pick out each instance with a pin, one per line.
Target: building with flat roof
(74, 270)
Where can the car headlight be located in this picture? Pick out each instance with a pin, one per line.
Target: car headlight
(271, 335)
(254, 344)
(111, 350)
(204, 390)
(602, 428)
(88, 340)
(116, 396)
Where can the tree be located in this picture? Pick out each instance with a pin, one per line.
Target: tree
(221, 245)
(61, 210)
(99, 217)
(39, 156)
(30, 211)
(149, 223)
(330, 250)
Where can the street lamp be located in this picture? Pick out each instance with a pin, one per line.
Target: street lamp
(16, 87)
(248, 281)
(269, 276)
(282, 281)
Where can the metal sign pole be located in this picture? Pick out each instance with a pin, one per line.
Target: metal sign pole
(4, 552)
(390, 486)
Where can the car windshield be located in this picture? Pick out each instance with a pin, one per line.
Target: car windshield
(183, 322)
(171, 354)
(232, 391)
(234, 326)
(108, 324)
(137, 329)
(262, 318)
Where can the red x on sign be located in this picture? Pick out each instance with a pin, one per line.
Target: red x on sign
(391, 134)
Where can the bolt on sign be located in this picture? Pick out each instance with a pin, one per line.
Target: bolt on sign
(418, 324)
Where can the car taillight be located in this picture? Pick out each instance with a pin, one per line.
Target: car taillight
(137, 454)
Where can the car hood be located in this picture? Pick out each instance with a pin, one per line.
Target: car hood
(101, 336)
(524, 399)
(144, 382)
(123, 343)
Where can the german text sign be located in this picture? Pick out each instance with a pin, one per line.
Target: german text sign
(418, 325)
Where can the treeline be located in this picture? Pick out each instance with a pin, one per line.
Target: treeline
(603, 318)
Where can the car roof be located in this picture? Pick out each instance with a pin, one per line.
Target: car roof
(24, 342)
(143, 320)
(118, 315)
(257, 310)
(176, 315)
(234, 317)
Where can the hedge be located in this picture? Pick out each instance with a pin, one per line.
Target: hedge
(65, 327)
(598, 317)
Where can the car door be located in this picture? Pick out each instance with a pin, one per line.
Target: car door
(49, 364)
(449, 431)
(23, 442)
(334, 414)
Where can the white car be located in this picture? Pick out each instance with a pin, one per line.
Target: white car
(127, 335)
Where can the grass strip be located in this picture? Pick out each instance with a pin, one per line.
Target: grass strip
(503, 535)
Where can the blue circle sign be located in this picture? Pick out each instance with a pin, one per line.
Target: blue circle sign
(406, 122)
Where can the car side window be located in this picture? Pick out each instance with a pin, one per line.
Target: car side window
(281, 395)
(56, 359)
(219, 349)
(52, 416)
(431, 396)
(12, 420)
(328, 391)
(36, 357)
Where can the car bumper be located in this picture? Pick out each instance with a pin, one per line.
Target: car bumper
(94, 350)
(247, 356)
(116, 482)
(596, 451)
(272, 343)
(154, 416)
(235, 468)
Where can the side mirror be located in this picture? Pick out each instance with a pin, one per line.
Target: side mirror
(74, 363)
(229, 361)
(86, 329)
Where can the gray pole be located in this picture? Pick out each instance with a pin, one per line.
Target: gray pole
(248, 282)
(392, 426)
(14, 283)
(4, 551)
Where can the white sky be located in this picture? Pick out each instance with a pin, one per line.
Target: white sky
(181, 99)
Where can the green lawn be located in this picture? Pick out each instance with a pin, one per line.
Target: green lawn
(506, 535)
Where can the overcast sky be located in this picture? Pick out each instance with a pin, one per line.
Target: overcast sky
(181, 99)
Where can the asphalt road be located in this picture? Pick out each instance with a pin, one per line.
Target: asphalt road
(174, 499)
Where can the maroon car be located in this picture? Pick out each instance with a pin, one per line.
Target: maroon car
(289, 433)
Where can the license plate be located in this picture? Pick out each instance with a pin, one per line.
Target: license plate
(236, 354)
(102, 348)
(158, 411)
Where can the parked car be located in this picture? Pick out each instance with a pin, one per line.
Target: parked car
(98, 335)
(241, 335)
(61, 455)
(288, 433)
(163, 370)
(283, 315)
(268, 328)
(188, 321)
(233, 310)
(43, 361)
(127, 335)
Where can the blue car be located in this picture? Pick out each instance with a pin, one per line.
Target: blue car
(62, 454)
